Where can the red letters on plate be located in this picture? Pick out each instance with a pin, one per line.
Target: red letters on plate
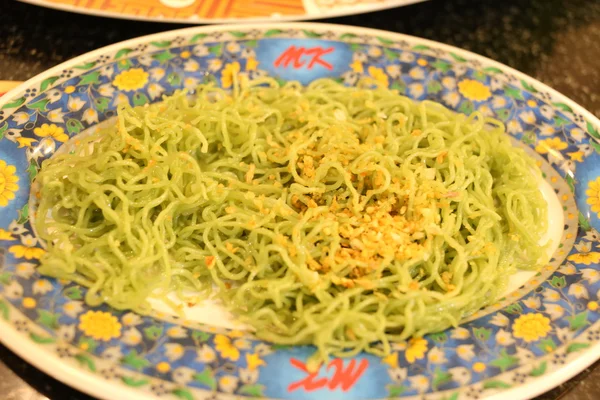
(342, 378)
(296, 57)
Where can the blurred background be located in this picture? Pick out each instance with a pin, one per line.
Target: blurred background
(554, 41)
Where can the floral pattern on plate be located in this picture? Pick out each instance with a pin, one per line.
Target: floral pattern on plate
(550, 321)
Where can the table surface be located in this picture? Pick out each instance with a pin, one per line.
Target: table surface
(554, 41)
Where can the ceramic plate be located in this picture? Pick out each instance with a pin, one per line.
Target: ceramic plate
(541, 333)
(218, 11)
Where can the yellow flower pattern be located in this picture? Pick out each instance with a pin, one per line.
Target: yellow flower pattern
(132, 79)
(357, 66)
(416, 349)
(379, 75)
(29, 302)
(576, 156)
(391, 360)
(229, 72)
(25, 142)
(531, 327)
(593, 196)
(254, 361)
(479, 367)
(100, 325)
(26, 252)
(52, 131)
(474, 90)
(551, 145)
(585, 258)
(163, 367)
(8, 183)
(6, 235)
(225, 348)
(251, 64)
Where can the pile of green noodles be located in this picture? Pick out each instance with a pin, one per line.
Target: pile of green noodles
(270, 199)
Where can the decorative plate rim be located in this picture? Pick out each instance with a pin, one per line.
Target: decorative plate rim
(345, 11)
(589, 116)
(51, 364)
(84, 381)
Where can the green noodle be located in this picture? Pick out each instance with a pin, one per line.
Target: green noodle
(347, 218)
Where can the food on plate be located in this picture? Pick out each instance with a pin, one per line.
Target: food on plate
(344, 217)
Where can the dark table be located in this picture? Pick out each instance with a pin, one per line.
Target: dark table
(555, 41)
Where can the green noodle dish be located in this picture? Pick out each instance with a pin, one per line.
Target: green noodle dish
(343, 217)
